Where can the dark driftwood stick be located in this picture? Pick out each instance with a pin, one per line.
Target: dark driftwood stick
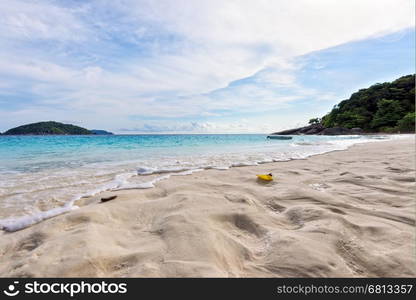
(108, 198)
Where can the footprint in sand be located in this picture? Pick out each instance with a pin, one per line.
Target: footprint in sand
(238, 198)
(298, 216)
(275, 207)
(31, 242)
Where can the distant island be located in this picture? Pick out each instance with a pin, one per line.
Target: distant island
(52, 128)
(382, 108)
(101, 132)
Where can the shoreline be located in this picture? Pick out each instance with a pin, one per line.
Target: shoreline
(158, 232)
(18, 223)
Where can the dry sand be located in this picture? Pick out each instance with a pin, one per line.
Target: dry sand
(343, 214)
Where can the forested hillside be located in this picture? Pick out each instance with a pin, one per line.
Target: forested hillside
(383, 107)
(47, 128)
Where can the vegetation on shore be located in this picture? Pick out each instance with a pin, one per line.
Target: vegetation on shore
(384, 107)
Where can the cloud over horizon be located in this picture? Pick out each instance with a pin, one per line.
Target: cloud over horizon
(193, 66)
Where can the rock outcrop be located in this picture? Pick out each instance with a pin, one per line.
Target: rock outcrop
(319, 129)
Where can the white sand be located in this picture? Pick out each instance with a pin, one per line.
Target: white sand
(348, 213)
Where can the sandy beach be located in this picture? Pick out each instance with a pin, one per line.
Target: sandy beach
(341, 214)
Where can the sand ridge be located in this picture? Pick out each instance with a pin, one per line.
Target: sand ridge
(342, 214)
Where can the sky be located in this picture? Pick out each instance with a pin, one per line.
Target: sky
(202, 66)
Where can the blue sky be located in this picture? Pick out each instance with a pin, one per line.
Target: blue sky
(134, 66)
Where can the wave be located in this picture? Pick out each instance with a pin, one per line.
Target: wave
(122, 181)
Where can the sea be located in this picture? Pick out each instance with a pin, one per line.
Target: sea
(43, 176)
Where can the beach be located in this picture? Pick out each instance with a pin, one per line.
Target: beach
(345, 213)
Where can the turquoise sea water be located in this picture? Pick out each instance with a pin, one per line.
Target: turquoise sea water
(35, 153)
(41, 176)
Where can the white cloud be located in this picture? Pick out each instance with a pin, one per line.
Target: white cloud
(303, 25)
(199, 127)
(37, 20)
(174, 58)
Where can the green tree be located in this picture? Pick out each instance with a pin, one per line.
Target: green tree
(388, 113)
(315, 121)
(407, 123)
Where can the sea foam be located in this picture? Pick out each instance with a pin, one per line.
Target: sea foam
(162, 169)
